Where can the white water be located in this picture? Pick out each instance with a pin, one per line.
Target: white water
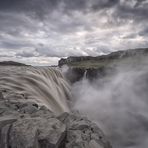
(45, 86)
(85, 75)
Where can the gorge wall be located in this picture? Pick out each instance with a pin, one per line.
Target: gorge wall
(97, 67)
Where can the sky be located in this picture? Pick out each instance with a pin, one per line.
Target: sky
(40, 32)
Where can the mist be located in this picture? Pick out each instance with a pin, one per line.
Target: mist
(118, 103)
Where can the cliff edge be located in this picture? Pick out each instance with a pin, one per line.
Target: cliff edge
(100, 66)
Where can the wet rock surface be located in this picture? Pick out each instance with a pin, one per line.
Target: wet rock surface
(29, 125)
(76, 74)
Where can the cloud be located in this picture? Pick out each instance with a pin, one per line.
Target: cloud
(66, 27)
(27, 53)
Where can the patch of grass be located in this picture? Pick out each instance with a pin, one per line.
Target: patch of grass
(89, 64)
(109, 62)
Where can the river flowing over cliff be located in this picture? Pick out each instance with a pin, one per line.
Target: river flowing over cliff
(35, 112)
(45, 86)
(75, 114)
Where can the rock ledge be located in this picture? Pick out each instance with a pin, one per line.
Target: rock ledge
(27, 125)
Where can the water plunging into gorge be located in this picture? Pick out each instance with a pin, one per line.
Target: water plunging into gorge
(45, 86)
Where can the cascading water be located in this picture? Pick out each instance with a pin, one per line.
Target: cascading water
(46, 86)
(85, 75)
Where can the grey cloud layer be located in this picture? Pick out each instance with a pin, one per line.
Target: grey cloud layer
(40, 29)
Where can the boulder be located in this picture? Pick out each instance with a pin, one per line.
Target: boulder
(82, 133)
(37, 133)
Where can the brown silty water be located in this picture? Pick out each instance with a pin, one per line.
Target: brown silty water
(45, 86)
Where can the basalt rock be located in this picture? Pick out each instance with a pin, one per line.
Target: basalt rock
(99, 66)
(28, 125)
(37, 132)
(81, 133)
(111, 56)
(77, 74)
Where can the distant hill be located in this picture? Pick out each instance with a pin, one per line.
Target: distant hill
(89, 62)
(11, 63)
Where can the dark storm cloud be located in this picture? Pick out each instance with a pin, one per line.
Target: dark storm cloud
(71, 27)
(144, 32)
(139, 3)
(40, 6)
(136, 13)
(33, 7)
(11, 45)
(45, 7)
(42, 9)
(26, 54)
(99, 4)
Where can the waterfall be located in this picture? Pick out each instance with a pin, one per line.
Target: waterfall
(45, 86)
(85, 75)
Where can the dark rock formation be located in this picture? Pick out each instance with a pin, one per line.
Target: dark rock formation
(100, 66)
(76, 74)
(27, 125)
(112, 56)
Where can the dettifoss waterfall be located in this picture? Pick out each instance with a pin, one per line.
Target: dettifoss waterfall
(117, 103)
(46, 86)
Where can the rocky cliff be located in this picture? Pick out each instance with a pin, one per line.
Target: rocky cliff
(99, 66)
(75, 61)
(27, 125)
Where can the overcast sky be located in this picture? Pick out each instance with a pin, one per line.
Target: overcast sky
(39, 32)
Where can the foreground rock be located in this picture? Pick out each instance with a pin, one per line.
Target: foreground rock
(81, 133)
(27, 125)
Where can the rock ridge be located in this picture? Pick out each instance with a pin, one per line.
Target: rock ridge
(27, 125)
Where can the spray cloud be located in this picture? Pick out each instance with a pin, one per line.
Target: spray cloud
(118, 103)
